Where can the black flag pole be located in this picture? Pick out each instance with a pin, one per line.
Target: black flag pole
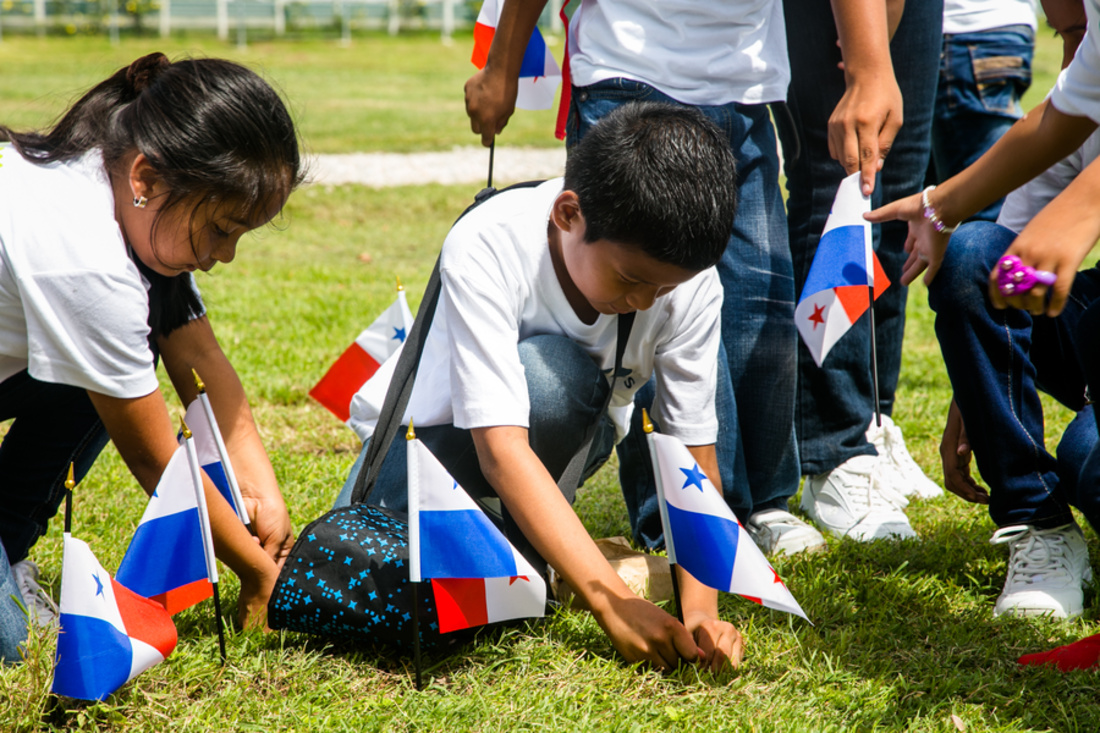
(874, 357)
(70, 484)
(414, 540)
(492, 151)
(416, 636)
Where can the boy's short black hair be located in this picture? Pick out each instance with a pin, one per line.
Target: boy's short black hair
(660, 177)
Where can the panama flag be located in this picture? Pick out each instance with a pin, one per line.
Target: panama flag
(477, 576)
(703, 536)
(362, 359)
(539, 75)
(166, 560)
(213, 456)
(835, 294)
(109, 634)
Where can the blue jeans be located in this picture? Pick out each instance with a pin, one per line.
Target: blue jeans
(757, 454)
(982, 77)
(54, 425)
(836, 401)
(997, 361)
(567, 393)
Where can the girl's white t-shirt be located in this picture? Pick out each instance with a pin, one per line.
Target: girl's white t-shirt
(699, 52)
(73, 306)
(499, 288)
(971, 16)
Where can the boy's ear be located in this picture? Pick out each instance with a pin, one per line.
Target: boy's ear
(144, 179)
(566, 211)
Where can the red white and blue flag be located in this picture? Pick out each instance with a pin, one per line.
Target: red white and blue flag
(836, 291)
(477, 576)
(212, 454)
(166, 560)
(109, 634)
(361, 360)
(539, 75)
(704, 537)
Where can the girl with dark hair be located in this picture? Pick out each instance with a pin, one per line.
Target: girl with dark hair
(154, 173)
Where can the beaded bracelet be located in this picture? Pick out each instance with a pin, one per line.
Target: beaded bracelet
(930, 214)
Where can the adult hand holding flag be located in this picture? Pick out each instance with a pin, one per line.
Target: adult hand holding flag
(704, 537)
(836, 292)
(109, 634)
(477, 575)
(539, 75)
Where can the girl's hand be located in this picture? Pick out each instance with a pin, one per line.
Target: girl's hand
(926, 246)
(1053, 243)
(272, 525)
(720, 641)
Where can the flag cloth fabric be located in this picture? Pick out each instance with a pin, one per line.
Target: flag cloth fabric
(539, 75)
(835, 293)
(362, 359)
(207, 438)
(165, 561)
(704, 537)
(109, 634)
(477, 575)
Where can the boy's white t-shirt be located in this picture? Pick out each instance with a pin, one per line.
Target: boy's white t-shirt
(1025, 202)
(73, 306)
(1077, 91)
(499, 288)
(699, 52)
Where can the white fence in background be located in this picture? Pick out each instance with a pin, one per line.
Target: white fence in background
(240, 16)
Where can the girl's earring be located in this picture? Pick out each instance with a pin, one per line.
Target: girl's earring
(140, 201)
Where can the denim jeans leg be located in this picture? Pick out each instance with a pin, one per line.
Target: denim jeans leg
(566, 390)
(997, 361)
(13, 621)
(983, 75)
(835, 402)
(757, 454)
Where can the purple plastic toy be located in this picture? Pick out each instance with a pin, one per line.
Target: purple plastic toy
(1016, 278)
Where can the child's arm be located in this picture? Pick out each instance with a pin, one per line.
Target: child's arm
(491, 92)
(1039, 140)
(1057, 239)
(144, 435)
(867, 118)
(194, 346)
(638, 629)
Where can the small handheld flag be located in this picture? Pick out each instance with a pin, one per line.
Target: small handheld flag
(361, 360)
(166, 560)
(704, 537)
(539, 75)
(109, 634)
(836, 291)
(212, 453)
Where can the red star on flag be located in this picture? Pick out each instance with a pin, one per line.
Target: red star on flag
(514, 578)
(817, 318)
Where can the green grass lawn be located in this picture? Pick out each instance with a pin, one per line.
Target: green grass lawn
(903, 635)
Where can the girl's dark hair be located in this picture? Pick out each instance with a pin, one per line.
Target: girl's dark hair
(214, 131)
(660, 177)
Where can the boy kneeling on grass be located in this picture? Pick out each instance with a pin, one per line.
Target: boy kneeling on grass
(519, 358)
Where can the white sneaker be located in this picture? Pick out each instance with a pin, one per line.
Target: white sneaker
(779, 531)
(41, 608)
(907, 477)
(853, 501)
(1046, 569)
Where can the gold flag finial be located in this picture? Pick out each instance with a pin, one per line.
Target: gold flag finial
(410, 434)
(400, 287)
(647, 426)
(70, 484)
(198, 382)
(184, 429)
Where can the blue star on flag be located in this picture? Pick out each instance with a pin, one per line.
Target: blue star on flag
(398, 334)
(695, 477)
(98, 584)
